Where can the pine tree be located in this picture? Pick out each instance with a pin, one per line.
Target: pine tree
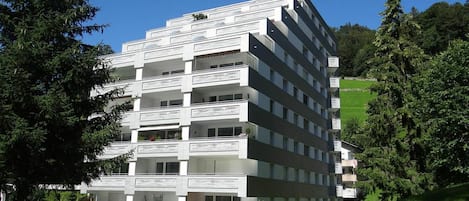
(392, 156)
(46, 75)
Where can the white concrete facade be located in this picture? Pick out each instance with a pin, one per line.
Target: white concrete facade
(238, 106)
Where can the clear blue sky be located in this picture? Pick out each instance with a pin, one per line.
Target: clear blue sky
(128, 20)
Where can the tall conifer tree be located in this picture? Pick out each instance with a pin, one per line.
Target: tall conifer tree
(46, 75)
(391, 140)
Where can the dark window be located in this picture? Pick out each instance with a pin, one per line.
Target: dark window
(239, 63)
(305, 99)
(295, 146)
(225, 131)
(271, 108)
(272, 138)
(285, 85)
(212, 99)
(285, 113)
(214, 66)
(209, 198)
(285, 143)
(295, 119)
(306, 150)
(238, 130)
(223, 198)
(175, 102)
(236, 199)
(295, 92)
(177, 71)
(272, 169)
(159, 168)
(225, 97)
(226, 65)
(165, 73)
(306, 124)
(272, 75)
(211, 132)
(238, 96)
(172, 167)
(163, 103)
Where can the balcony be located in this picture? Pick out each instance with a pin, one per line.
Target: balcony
(335, 104)
(349, 178)
(338, 168)
(339, 191)
(160, 83)
(350, 193)
(336, 124)
(334, 83)
(226, 146)
(171, 183)
(337, 146)
(350, 163)
(224, 76)
(333, 64)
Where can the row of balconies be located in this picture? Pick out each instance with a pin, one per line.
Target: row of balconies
(181, 184)
(185, 115)
(182, 149)
(182, 82)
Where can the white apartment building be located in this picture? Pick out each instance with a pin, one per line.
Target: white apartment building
(237, 106)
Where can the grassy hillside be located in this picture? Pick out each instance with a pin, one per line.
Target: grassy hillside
(455, 193)
(354, 96)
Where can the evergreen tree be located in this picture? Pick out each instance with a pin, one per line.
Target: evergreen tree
(46, 75)
(441, 104)
(392, 156)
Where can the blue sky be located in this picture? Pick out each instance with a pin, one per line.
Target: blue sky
(128, 20)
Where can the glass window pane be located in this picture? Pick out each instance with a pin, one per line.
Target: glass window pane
(225, 97)
(163, 103)
(159, 168)
(238, 96)
(238, 130)
(172, 167)
(211, 132)
(225, 131)
(212, 99)
(175, 102)
(223, 198)
(208, 198)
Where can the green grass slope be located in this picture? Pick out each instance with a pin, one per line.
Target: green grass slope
(354, 96)
(455, 193)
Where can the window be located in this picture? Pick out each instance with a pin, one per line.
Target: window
(226, 131)
(271, 107)
(272, 169)
(295, 119)
(175, 102)
(305, 150)
(211, 132)
(285, 143)
(167, 168)
(285, 113)
(272, 75)
(122, 169)
(305, 51)
(295, 146)
(226, 97)
(305, 99)
(295, 92)
(272, 138)
(285, 85)
(306, 124)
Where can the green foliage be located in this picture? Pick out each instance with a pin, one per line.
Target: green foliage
(351, 40)
(454, 193)
(441, 100)
(46, 75)
(390, 138)
(442, 23)
(199, 16)
(351, 129)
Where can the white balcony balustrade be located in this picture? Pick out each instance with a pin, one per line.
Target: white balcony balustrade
(335, 104)
(337, 145)
(338, 168)
(336, 124)
(340, 191)
(334, 83)
(333, 64)
(180, 184)
(349, 193)
(227, 146)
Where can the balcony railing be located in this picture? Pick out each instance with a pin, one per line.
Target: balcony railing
(350, 163)
(336, 124)
(199, 78)
(350, 193)
(334, 82)
(349, 178)
(333, 64)
(337, 145)
(335, 104)
(340, 191)
(171, 183)
(234, 146)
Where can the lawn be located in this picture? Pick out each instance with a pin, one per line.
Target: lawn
(354, 96)
(455, 193)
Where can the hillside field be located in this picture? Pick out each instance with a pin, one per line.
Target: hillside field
(354, 96)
